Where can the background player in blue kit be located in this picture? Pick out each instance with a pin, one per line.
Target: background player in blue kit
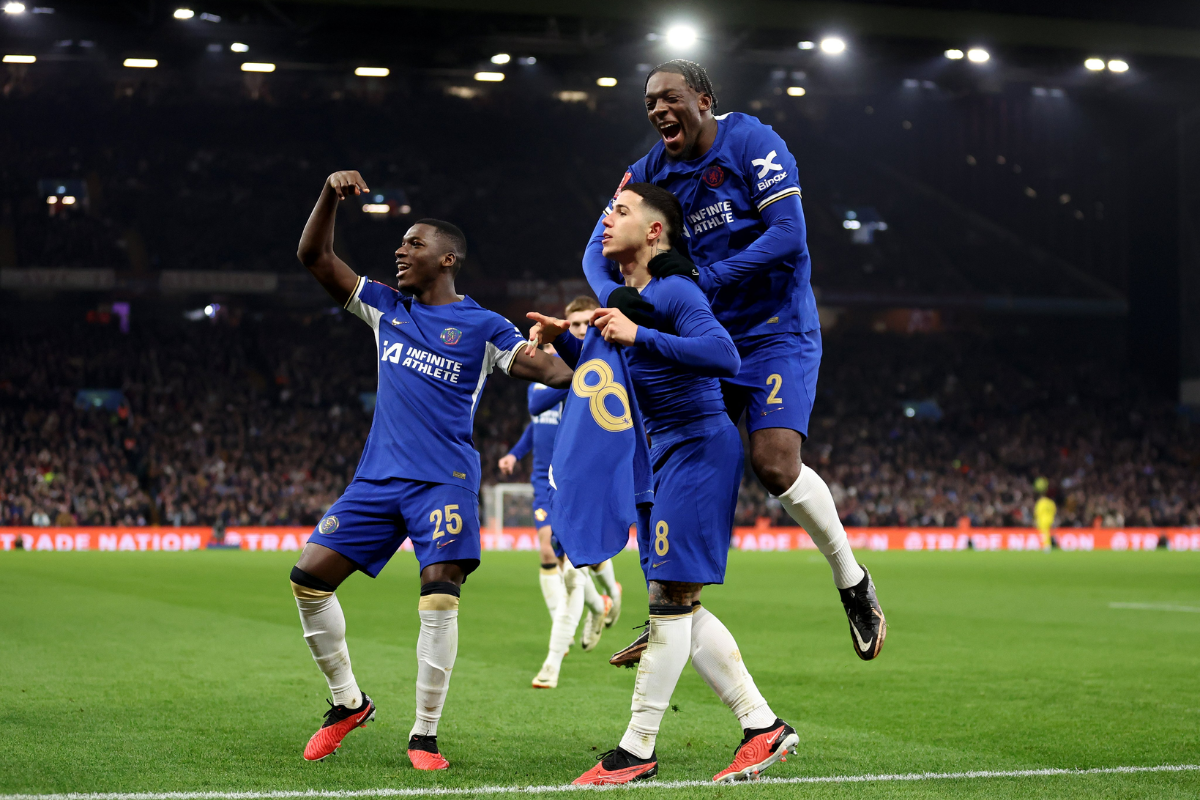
(744, 225)
(696, 455)
(565, 589)
(418, 477)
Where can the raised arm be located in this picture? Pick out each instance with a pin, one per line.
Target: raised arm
(542, 400)
(316, 243)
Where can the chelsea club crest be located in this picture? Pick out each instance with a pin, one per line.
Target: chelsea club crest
(329, 525)
(451, 336)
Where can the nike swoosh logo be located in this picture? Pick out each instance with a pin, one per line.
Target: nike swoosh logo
(864, 646)
(399, 321)
(451, 541)
(773, 738)
(772, 411)
(659, 564)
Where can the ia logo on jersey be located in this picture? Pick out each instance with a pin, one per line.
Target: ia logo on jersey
(451, 336)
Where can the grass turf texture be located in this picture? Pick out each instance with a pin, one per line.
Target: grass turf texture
(132, 672)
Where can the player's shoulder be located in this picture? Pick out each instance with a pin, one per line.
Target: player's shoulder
(377, 294)
(745, 129)
(678, 291)
(486, 320)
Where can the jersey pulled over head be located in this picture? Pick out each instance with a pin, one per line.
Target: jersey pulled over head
(680, 103)
(645, 219)
(432, 250)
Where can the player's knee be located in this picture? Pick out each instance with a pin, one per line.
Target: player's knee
(777, 474)
(439, 596)
(309, 587)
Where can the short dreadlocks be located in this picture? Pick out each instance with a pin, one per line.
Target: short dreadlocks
(693, 75)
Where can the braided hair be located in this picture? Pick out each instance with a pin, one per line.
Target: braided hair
(693, 75)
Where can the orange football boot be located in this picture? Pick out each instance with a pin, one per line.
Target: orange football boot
(759, 749)
(339, 721)
(619, 766)
(423, 753)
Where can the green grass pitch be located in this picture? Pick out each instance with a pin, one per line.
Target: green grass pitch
(157, 672)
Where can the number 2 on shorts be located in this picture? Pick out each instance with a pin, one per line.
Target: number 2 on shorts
(777, 380)
(453, 521)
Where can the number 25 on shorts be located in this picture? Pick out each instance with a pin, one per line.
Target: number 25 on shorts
(453, 521)
(661, 545)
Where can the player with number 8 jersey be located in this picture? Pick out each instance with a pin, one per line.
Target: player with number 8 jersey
(675, 362)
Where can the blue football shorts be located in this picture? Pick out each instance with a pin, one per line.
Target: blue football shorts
(777, 383)
(371, 519)
(697, 473)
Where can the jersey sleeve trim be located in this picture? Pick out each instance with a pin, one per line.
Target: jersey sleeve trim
(354, 295)
(364, 311)
(503, 358)
(766, 201)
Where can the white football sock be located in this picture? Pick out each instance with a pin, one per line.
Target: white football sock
(566, 616)
(551, 580)
(591, 598)
(809, 502)
(437, 647)
(607, 577)
(324, 627)
(662, 662)
(716, 657)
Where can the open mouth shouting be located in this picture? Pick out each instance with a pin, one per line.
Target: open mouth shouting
(671, 133)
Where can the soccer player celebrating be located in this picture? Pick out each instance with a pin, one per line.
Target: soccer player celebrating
(696, 454)
(738, 186)
(418, 477)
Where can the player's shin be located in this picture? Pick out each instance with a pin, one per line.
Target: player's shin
(809, 502)
(662, 663)
(437, 647)
(608, 578)
(553, 590)
(324, 627)
(566, 618)
(716, 657)
(591, 598)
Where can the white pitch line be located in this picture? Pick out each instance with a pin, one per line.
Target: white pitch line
(1155, 607)
(434, 791)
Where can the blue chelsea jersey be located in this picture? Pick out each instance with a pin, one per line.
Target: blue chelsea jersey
(433, 362)
(723, 194)
(548, 405)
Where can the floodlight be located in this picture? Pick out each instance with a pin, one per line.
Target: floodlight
(501, 58)
(52, 199)
(252, 66)
(1117, 65)
(376, 208)
(978, 55)
(681, 36)
(1094, 64)
(795, 91)
(954, 54)
(527, 61)
(405, 209)
(19, 59)
(851, 224)
(806, 45)
(832, 45)
(372, 72)
(14, 8)
(238, 47)
(68, 200)
(141, 63)
(489, 77)
(184, 13)
(606, 81)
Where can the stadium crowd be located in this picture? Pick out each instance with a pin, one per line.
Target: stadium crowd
(260, 418)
